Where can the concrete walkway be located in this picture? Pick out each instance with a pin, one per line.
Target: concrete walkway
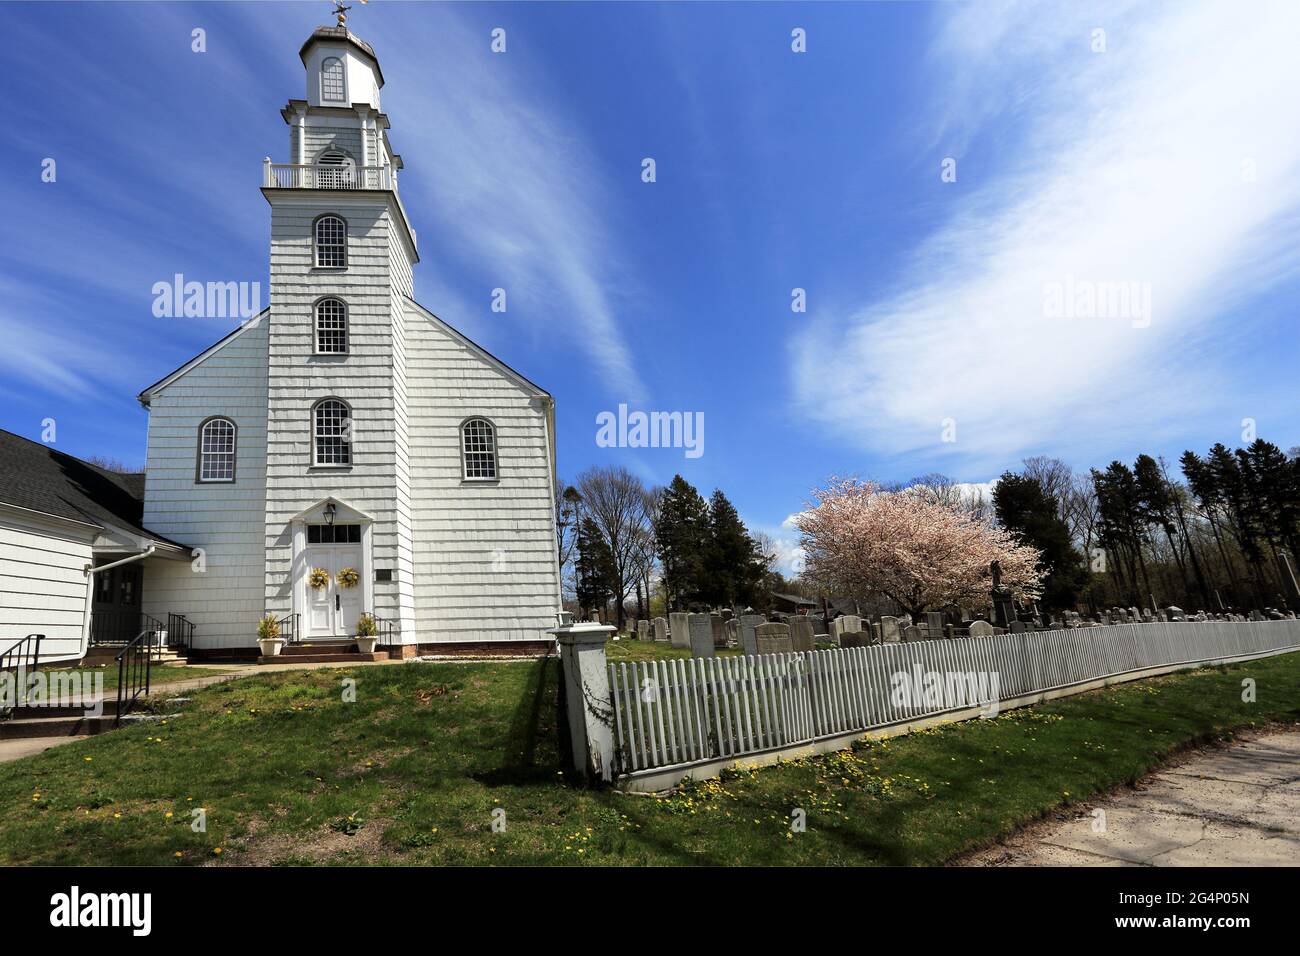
(1233, 806)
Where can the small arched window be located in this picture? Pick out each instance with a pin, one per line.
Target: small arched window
(331, 433)
(334, 170)
(331, 79)
(331, 327)
(217, 450)
(330, 237)
(478, 442)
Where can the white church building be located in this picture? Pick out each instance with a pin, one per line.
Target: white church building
(346, 428)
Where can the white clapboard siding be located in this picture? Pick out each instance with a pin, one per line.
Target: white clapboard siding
(484, 553)
(224, 519)
(43, 586)
(365, 379)
(679, 712)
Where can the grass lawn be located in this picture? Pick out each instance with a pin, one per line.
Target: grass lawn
(629, 650)
(412, 771)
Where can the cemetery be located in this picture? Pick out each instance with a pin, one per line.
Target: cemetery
(650, 723)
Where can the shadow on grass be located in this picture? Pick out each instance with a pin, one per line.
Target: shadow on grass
(531, 752)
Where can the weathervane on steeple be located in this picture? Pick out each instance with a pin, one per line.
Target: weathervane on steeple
(341, 11)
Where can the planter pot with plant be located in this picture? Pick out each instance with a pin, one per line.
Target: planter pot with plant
(268, 636)
(367, 634)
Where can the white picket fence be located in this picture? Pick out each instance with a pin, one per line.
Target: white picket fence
(674, 713)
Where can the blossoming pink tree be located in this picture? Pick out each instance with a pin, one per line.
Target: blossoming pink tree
(922, 554)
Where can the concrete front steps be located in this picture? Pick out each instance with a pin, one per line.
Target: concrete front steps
(105, 655)
(341, 651)
(30, 722)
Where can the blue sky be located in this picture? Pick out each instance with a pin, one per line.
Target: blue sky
(1170, 159)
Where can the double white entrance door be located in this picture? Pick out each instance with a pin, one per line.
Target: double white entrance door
(332, 611)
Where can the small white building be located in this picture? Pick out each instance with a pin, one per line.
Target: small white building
(344, 427)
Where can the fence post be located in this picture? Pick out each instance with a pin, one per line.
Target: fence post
(587, 697)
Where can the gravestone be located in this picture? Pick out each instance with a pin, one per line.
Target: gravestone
(1175, 613)
(933, 625)
(700, 629)
(642, 630)
(1017, 627)
(801, 633)
(818, 623)
(733, 632)
(679, 629)
(845, 622)
(875, 633)
(661, 629)
(855, 639)
(890, 633)
(773, 639)
(981, 629)
(748, 644)
(912, 633)
(719, 630)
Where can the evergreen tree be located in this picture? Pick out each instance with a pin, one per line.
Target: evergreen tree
(735, 567)
(1205, 489)
(1239, 506)
(682, 541)
(1025, 509)
(597, 578)
(1121, 529)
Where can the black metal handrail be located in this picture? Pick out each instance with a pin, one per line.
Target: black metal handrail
(385, 629)
(180, 631)
(24, 659)
(133, 670)
(289, 629)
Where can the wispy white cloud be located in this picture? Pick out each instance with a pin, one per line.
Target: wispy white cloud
(514, 191)
(1119, 166)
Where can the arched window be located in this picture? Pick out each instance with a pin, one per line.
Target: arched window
(334, 170)
(331, 433)
(217, 450)
(478, 442)
(330, 236)
(331, 327)
(331, 79)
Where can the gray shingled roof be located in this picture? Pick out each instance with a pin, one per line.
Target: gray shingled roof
(342, 33)
(36, 477)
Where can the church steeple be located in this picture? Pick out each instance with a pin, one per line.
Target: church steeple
(340, 124)
(342, 69)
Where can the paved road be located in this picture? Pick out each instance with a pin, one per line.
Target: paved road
(1235, 806)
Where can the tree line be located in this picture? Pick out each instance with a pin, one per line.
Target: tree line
(665, 548)
(1141, 535)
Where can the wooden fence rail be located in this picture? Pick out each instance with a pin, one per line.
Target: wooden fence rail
(677, 713)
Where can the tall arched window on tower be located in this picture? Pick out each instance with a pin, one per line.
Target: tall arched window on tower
(216, 450)
(478, 442)
(331, 433)
(331, 80)
(330, 237)
(331, 327)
